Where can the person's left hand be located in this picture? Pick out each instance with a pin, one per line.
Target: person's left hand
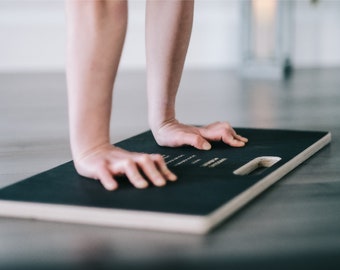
(175, 134)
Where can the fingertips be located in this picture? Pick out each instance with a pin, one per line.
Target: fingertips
(106, 179)
(133, 174)
(234, 141)
(241, 138)
(149, 168)
(239, 141)
(200, 143)
(206, 146)
(238, 138)
(141, 170)
(128, 167)
(140, 183)
(164, 170)
(169, 175)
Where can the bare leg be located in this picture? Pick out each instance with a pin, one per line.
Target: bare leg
(96, 33)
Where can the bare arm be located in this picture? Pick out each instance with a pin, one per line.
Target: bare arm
(94, 48)
(168, 30)
(96, 33)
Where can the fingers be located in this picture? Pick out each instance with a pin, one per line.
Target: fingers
(141, 168)
(179, 134)
(233, 139)
(222, 131)
(107, 162)
(241, 138)
(158, 159)
(106, 178)
(148, 166)
(132, 173)
(196, 141)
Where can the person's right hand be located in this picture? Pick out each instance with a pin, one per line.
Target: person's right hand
(106, 162)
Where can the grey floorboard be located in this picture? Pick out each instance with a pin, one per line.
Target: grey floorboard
(294, 225)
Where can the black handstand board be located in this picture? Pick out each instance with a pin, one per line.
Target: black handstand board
(211, 185)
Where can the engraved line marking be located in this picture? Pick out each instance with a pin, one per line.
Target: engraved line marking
(175, 158)
(185, 160)
(165, 156)
(196, 161)
(217, 163)
(209, 162)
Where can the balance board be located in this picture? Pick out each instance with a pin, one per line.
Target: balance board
(211, 185)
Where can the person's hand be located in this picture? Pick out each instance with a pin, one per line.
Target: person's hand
(175, 134)
(106, 162)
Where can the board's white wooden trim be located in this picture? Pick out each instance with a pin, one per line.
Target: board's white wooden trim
(239, 201)
(105, 217)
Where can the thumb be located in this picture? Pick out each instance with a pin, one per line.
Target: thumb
(198, 142)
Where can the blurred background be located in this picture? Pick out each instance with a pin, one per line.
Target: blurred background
(240, 53)
(32, 34)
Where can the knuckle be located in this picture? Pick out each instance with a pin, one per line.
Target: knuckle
(157, 157)
(127, 163)
(226, 127)
(101, 164)
(144, 158)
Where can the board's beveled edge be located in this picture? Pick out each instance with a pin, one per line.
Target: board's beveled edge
(242, 199)
(129, 219)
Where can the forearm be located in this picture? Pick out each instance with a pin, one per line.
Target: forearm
(96, 32)
(168, 29)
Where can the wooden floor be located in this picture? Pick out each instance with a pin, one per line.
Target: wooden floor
(295, 224)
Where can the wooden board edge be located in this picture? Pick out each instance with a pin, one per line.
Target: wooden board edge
(242, 199)
(129, 219)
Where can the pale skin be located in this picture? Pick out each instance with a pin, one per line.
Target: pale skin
(96, 33)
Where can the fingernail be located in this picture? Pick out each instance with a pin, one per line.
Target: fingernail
(172, 177)
(160, 182)
(206, 146)
(142, 184)
(112, 186)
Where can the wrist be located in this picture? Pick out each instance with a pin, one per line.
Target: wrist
(161, 109)
(83, 141)
(158, 123)
(81, 151)
(88, 131)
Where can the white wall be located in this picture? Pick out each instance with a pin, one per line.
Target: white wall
(213, 42)
(32, 35)
(317, 33)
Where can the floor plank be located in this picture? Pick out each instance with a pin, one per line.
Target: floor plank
(293, 225)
